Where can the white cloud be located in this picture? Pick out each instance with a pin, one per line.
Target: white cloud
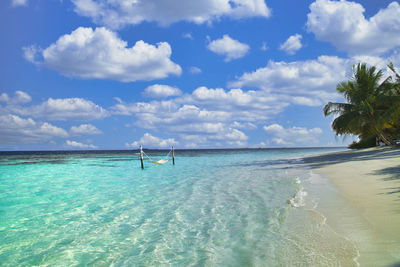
(4, 97)
(203, 106)
(21, 98)
(64, 109)
(75, 144)
(244, 125)
(18, 98)
(32, 53)
(16, 3)
(199, 127)
(234, 96)
(161, 90)
(231, 138)
(214, 133)
(195, 70)
(264, 47)
(237, 144)
(17, 130)
(310, 82)
(118, 13)
(152, 142)
(228, 47)
(261, 145)
(100, 54)
(214, 114)
(234, 135)
(188, 36)
(292, 44)
(84, 129)
(192, 141)
(61, 109)
(343, 24)
(298, 136)
(48, 129)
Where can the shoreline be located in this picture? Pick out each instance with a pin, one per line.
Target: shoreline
(369, 182)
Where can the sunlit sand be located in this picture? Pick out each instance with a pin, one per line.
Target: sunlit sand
(369, 180)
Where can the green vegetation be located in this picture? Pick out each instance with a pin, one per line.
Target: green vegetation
(372, 109)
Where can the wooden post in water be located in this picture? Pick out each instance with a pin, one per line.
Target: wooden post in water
(173, 156)
(141, 157)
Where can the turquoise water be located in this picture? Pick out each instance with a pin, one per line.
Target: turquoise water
(213, 208)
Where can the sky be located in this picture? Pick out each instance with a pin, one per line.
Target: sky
(117, 74)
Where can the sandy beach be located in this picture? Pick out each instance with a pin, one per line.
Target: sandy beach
(369, 181)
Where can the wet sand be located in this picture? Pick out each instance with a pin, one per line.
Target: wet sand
(369, 180)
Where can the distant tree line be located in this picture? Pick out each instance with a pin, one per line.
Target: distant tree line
(372, 111)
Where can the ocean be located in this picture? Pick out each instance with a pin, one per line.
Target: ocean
(245, 207)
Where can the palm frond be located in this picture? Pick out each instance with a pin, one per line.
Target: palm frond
(373, 102)
(336, 108)
(347, 123)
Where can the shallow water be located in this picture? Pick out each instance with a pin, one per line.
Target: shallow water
(213, 208)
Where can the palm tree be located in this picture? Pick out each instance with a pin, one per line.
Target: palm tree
(392, 101)
(366, 111)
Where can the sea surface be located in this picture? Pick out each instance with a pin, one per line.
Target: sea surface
(248, 207)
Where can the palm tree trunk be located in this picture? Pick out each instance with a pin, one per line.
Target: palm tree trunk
(383, 137)
(380, 133)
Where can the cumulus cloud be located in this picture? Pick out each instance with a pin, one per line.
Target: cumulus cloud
(200, 127)
(310, 82)
(100, 54)
(18, 98)
(18, 130)
(228, 47)
(192, 140)
(204, 105)
(161, 90)
(298, 136)
(4, 97)
(16, 3)
(84, 129)
(208, 116)
(152, 142)
(64, 109)
(78, 145)
(244, 125)
(292, 44)
(60, 109)
(21, 98)
(343, 24)
(32, 54)
(234, 135)
(234, 96)
(118, 13)
(214, 114)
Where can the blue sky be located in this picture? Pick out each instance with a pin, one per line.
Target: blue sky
(116, 74)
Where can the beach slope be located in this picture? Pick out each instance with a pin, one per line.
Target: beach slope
(369, 180)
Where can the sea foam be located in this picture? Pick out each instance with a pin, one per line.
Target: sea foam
(299, 200)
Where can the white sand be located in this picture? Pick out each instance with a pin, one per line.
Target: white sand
(370, 182)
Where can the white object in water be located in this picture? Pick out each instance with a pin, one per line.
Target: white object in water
(161, 161)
